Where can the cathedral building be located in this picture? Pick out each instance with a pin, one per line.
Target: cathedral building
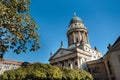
(79, 50)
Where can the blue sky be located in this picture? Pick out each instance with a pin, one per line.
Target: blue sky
(101, 17)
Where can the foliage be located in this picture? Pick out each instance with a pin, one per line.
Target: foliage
(17, 27)
(38, 71)
(70, 74)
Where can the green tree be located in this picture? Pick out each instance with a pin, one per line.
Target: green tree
(38, 71)
(71, 74)
(17, 27)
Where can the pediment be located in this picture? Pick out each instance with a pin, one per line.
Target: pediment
(60, 53)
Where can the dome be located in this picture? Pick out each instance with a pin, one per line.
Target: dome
(75, 22)
(75, 19)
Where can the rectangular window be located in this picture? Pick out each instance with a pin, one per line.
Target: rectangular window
(109, 67)
(76, 63)
(62, 64)
(93, 70)
(69, 64)
(6, 67)
(76, 39)
(89, 70)
(96, 69)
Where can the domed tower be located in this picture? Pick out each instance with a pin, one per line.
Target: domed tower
(79, 51)
(77, 33)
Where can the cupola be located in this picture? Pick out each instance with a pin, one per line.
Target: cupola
(77, 33)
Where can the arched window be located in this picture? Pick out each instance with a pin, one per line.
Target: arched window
(77, 40)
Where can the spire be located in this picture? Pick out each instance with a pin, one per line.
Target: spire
(61, 46)
(74, 13)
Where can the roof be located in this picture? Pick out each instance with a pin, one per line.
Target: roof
(76, 23)
(115, 46)
(95, 61)
(75, 19)
(5, 61)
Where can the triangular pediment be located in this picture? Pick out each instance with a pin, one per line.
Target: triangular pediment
(60, 53)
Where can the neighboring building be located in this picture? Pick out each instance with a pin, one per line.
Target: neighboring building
(112, 61)
(108, 67)
(8, 65)
(79, 50)
(97, 69)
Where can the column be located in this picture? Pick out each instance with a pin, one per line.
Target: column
(105, 62)
(79, 36)
(84, 39)
(73, 40)
(78, 62)
(87, 40)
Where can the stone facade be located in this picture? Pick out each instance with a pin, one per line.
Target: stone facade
(112, 61)
(108, 65)
(97, 69)
(79, 50)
